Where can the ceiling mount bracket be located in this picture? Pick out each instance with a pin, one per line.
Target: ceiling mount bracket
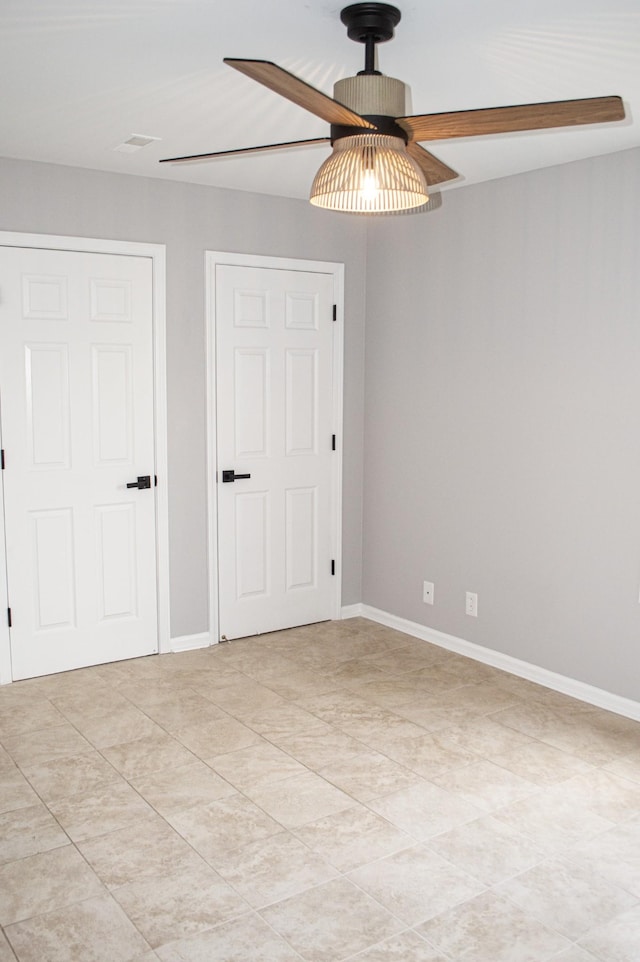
(370, 23)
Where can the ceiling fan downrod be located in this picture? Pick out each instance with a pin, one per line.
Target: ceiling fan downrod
(370, 23)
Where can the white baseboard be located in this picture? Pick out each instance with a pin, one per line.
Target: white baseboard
(189, 642)
(351, 611)
(523, 669)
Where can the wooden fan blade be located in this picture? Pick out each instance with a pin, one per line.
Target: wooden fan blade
(299, 92)
(499, 120)
(193, 158)
(433, 169)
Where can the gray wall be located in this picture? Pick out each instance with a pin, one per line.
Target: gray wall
(502, 429)
(189, 219)
(502, 433)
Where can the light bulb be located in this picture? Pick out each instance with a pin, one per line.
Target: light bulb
(369, 187)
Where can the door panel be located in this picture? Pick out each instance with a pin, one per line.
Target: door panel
(274, 349)
(54, 568)
(47, 405)
(301, 527)
(252, 545)
(112, 400)
(251, 403)
(76, 383)
(44, 297)
(116, 561)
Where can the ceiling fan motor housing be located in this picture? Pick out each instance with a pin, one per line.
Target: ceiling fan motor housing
(377, 98)
(372, 94)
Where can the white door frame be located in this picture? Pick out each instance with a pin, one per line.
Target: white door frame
(212, 260)
(157, 253)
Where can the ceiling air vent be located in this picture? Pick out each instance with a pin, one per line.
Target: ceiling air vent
(135, 142)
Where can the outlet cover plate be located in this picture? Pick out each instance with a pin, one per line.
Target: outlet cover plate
(471, 604)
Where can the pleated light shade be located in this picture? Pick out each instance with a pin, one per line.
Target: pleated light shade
(369, 174)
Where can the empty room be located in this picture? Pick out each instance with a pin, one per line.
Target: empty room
(320, 481)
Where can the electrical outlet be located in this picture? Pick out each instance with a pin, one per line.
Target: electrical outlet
(471, 604)
(427, 592)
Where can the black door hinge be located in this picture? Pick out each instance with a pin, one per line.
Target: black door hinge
(9, 617)
(155, 480)
(333, 442)
(335, 312)
(333, 567)
(2, 459)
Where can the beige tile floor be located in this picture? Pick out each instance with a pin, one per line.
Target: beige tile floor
(340, 791)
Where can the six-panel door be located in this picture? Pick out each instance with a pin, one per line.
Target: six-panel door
(274, 349)
(76, 382)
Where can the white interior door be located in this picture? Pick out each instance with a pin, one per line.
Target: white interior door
(76, 393)
(274, 350)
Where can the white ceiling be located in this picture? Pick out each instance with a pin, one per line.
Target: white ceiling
(78, 77)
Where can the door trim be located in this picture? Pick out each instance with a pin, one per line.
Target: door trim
(214, 259)
(157, 254)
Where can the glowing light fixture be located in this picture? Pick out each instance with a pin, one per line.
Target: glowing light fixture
(369, 173)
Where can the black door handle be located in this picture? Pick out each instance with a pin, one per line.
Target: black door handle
(144, 481)
(232, 476)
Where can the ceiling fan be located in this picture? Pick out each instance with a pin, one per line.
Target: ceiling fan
(378, 164)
